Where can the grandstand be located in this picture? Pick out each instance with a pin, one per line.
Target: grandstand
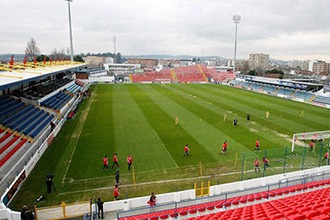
(298, 91)
(183, 74)
(34, 98)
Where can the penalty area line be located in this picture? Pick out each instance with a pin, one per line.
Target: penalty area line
(161, 181)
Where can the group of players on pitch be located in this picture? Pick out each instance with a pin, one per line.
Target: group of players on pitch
(129, 160)
(225, 150)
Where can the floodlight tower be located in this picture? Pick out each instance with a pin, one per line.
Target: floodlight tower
(236, 19)
(70, 29)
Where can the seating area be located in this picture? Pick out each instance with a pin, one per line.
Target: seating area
(77, 86)
(9, 145)
(19, 126)
(217, 76)
(56, 101)
(9, 106)
(303, 95)
(25, 120)
(322, 99)
(42, 89)
(189, 74)
(182, 74)
(164, 75)
(303, 201)
(284, 91)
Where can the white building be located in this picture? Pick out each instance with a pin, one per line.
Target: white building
(259, 60)
(122, 68)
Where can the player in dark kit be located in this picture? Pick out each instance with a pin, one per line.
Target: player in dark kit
(117, 176)
(100, 208)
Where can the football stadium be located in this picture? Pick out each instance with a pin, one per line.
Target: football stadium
(207, 144)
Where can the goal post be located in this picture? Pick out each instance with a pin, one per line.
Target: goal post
(315, 135)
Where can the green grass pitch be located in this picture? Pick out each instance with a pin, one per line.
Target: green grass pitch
(139, 120)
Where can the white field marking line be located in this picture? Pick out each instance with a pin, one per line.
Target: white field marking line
(84, 116)
(129, 174)
(162, 181)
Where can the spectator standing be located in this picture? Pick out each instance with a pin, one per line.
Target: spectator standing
(100, 208)
(27, 213)
(115, 160)
(152, 202)
(129, 161)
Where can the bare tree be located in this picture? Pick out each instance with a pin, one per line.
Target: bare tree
(59, 54)
(31, 50)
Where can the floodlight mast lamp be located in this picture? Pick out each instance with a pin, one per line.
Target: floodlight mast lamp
(236, 19)
(70, 29)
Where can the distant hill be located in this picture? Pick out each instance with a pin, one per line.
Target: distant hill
(165, 56)
(6, 57)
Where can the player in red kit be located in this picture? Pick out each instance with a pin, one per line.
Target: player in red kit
(129, 161)
(224, 147)
(186, 150)
(257, 147)
(105, 163)
(116, 192)
(115, 160)
(326, 157)
(256, 165)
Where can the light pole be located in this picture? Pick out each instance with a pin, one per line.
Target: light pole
(236, 19)
(70, 29)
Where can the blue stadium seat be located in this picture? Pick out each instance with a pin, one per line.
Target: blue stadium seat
(28, 121)
(37, 130)
(15, 116)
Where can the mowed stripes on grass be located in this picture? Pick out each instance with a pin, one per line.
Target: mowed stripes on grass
(139, 120)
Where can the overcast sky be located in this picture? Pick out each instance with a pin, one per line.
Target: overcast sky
(284, 29)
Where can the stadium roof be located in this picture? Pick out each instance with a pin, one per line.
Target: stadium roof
(17, 77)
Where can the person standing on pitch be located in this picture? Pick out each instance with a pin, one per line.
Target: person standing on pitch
(129, 162)
(256, 165)
(116, 192)
(224, 147)
(117, 176)
(115, 160)
(100, 208)
(105, 162)
(186, 150)
(266, 162)
(257, 146)
(326, 157)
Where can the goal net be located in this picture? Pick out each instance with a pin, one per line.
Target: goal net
(315, 135)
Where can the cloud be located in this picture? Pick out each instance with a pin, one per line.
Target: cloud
(284, 29)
